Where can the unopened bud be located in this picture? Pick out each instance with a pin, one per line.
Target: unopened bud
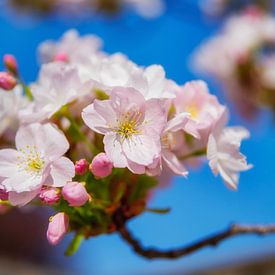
(61, 57)
(10, 63)
(7, 81)
(81, 167)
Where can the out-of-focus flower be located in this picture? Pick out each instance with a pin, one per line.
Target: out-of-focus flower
(223, 153)
(71, 48)
(75, 194)
(101, 166)
(236, 57)
(58, 227)
(50, 195)
(7, 81)
(131, 127)
(145, 8)
(37, 160)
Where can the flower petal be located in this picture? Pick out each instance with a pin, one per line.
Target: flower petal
(21, 199)
(113, 150)
(140, 149)
(62, 171)
(8, 160)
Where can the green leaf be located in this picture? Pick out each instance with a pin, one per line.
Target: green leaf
(74, 245)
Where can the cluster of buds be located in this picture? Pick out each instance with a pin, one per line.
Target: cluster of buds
(8, 79)
(96, 133)
(244, 58)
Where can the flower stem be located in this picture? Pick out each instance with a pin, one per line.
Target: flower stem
(197, 153)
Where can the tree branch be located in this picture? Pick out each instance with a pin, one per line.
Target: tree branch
(213, 240)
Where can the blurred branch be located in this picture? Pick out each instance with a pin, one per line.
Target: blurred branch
(213, 240)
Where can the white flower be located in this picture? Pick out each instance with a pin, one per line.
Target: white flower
(57, 86)
(38, 160)
(223, 153)
(118, 71)
(74, 47)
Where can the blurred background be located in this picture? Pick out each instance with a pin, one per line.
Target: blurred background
(150, 32)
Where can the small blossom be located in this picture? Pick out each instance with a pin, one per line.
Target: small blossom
(101, 166)
(10, 63)
(81, 167)
(57, 229)
(75, 194)
(38, 160)
(204, 108)
(7, 81)
(131, 127)
(49, 195)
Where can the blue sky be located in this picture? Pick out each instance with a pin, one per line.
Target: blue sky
(200, 205)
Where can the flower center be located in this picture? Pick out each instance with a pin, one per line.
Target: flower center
(193, 110)
(128, 125)
(168, 141)
(31, 161)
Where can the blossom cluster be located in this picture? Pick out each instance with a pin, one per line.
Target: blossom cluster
(244, 59)
(144, 8)
(96, 132)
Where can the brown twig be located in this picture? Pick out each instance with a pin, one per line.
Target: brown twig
(213, 240)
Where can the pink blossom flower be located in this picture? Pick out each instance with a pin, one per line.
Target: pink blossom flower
(58, 227)
(101, 166)
(204, 108)
(81, 167)
(223, 153)
(7, 81)
(50, 195)
(38, 160)
(75, 194)
(131, 127)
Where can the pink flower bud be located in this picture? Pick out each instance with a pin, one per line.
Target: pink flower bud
(7, 81)
(50, 195)
(75, 194)
(81, 167)
(61, 57)
(58, 227)
(3, 195)
(101, 166)
(10, 63)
